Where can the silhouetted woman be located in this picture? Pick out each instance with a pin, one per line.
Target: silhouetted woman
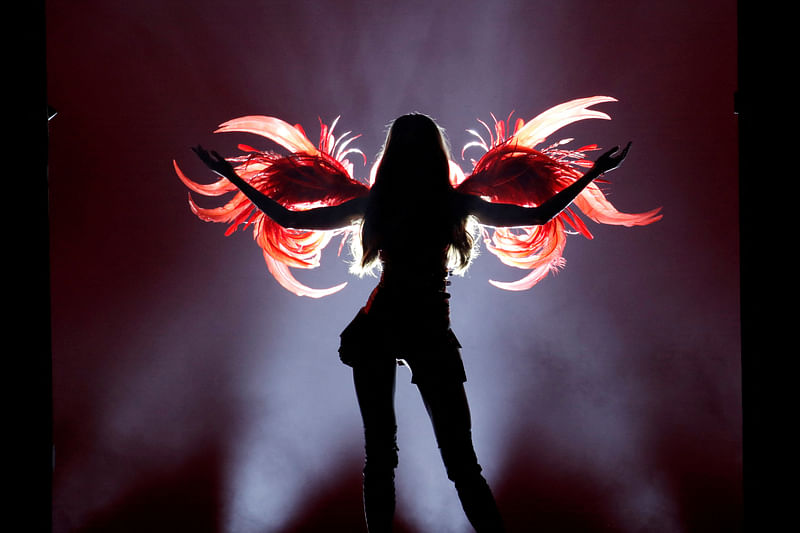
(414, 224)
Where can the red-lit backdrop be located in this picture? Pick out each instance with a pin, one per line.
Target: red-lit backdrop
(192, 393)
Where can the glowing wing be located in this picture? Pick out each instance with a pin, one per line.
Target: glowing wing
(306, 178)
(513, 170)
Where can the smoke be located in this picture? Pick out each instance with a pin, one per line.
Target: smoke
(605, 399)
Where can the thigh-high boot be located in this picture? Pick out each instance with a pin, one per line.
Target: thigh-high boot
(449, 411)
(375, 392)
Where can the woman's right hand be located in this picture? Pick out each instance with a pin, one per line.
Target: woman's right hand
(214, 161)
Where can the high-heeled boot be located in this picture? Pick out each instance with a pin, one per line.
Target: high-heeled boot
(379, 498)
(479, 504)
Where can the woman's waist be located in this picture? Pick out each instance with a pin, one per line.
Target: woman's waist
(425, 275)
(411, 300)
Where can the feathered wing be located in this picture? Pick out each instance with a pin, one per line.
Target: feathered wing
(307, 177)
(514, 170)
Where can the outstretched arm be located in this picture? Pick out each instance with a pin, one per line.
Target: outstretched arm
(320, 218)
(508, 215)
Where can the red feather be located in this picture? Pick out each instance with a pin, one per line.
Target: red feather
(305, 178)
(514, 171)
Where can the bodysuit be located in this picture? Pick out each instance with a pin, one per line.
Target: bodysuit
(407, 319)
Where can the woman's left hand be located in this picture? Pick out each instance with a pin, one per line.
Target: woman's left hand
(608, 161)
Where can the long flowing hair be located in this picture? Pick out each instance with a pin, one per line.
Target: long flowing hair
(412, 197)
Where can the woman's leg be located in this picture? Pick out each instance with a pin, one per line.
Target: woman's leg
(449, 411)
(374, 384)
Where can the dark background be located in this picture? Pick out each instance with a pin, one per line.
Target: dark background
(191, 392)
